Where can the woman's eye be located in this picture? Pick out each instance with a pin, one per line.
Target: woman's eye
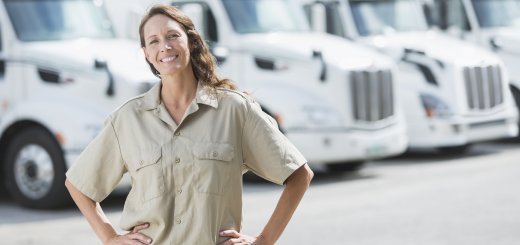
(152, 42)
(173, 36)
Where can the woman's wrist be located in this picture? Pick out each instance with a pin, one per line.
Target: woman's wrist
(262, 239)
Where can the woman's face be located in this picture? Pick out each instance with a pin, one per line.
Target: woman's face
(166, 45)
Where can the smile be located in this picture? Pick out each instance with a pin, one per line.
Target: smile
(169, 59)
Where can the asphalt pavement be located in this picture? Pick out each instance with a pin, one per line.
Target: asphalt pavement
(420, 198)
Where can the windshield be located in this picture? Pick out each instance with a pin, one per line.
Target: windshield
(381, 17)
(260, 16)
(497, 13)
(41, 20)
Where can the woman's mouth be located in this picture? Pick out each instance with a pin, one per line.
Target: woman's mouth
(169, 59)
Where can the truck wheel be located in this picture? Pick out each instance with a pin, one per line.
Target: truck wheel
(455, 150)
(516, 96)
(35, 170)
(345, 167)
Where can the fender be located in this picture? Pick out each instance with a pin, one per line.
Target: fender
(293, 103)
(76, 125)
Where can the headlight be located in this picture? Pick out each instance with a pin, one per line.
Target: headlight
(435, 107)
(321, 117)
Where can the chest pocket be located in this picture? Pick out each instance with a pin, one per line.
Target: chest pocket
(213, 166)
(147, 174)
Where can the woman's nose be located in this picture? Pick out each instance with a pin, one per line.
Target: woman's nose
(166, 46)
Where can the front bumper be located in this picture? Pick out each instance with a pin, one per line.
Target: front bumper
(339, 146)
(465, 131)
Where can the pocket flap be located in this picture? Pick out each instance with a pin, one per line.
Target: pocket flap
(147, 157)
(214, 151)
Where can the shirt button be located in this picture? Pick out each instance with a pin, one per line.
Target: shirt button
(179, 191)
(215, 154)
(141, 162)
(287, 160)
(177, 160)
(178, 221)
(177, 133)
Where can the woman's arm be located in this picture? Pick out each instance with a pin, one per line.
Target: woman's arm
(100, 223)
(295, 187)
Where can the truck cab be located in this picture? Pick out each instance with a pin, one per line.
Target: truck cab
(493, 24)
(454, 93)
(62, 71)
(265, 45)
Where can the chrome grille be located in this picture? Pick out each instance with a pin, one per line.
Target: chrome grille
(372, 95)
(483, 87)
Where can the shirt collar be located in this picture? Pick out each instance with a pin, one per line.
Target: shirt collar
(204, 95)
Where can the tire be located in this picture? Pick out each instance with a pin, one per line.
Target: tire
(35, 170)
(345, 167)
(516, 97)
(455, 150)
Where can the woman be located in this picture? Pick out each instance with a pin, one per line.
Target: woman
(185, 144)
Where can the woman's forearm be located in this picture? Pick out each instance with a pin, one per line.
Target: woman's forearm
(295, 188)
(93, 213)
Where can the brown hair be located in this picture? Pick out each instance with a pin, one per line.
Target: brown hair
(202, 61)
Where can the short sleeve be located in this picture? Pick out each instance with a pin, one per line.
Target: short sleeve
(100, 167)
(266, 151)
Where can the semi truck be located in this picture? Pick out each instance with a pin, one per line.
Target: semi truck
(62, 71)
(493, 24)
(260, 42)
(453, 93)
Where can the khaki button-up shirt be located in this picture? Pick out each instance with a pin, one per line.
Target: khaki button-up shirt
(186, 178)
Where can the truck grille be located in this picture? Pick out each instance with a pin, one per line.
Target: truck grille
(372, 95)
(483, 87)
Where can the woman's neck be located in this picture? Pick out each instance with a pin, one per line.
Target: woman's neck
(178, 91)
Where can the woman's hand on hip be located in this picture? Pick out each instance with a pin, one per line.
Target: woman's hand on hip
(133, 237)
(237, 238)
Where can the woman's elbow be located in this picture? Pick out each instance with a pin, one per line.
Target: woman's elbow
(302, 176)
(309, 173)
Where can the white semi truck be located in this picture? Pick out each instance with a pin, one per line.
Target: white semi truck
(62, 71)
(493, 24)
(262, 42)
(453, 93)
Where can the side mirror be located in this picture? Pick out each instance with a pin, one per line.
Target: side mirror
(102, 65)
(495, 43)
(220, 53)
(317, 54)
